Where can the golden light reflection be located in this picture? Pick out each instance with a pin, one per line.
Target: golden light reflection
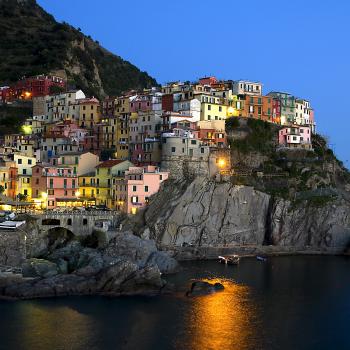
(65, 328)
(223, 320)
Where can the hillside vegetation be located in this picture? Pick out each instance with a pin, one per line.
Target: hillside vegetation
(12, 118)
(317, 175)
(33, 42)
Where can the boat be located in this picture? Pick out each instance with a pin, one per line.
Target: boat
(229, 260)
(261, 258)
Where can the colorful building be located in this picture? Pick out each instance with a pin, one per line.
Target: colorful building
(246, 87)
(55, 186)
(105, 176)
(140, 183)
(295, 137)
(89, 112)
(287, 105)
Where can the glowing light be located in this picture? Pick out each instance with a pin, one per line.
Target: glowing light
(77, 194)
(43, 195)
(27, 129)
(27, 94)
(221, 162)
(231, 110)
(133, 211)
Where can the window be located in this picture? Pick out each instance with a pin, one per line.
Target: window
(29, 161)
(193, 142)
(69, 222)
(220, 109)
(50, 192)
(160, 177)
(209, 107)
(146, 188)
(37, 181)
(134, 199)
(173, 149)
(19, 161)
(24, 171)
(134, 188)
(85, 222)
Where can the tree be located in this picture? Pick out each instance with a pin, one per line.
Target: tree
(2, 189)
(22, 197)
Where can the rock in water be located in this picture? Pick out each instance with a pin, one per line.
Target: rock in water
(203, 288)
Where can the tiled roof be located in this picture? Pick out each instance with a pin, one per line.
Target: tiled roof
(110, 163)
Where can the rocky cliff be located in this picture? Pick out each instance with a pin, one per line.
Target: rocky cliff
(60, 264)
(212, 214)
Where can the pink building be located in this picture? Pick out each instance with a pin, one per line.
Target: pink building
(139, 184)
(295, 137)
(140, 103)
(67, 128)
(54, 186)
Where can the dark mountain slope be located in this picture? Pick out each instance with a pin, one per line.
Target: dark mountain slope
(32, 42)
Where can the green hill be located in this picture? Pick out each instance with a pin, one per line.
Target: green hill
(33, 42)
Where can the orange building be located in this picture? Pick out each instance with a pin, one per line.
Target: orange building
(267, 108)
(258, 107)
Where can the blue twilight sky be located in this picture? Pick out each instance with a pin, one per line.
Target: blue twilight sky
(298, 46)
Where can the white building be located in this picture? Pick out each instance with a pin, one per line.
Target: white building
(246, 87)
(302, 112)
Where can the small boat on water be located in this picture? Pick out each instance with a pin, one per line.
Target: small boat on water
(261, 258)
(229, 260)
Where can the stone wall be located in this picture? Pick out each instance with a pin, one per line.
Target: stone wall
(12, 247)
(81, 224)
(191, 167)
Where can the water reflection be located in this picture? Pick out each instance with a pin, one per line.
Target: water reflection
(224, 320)
(65, 328)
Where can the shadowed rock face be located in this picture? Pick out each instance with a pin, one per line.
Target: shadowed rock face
(216, 214)
(128, 265)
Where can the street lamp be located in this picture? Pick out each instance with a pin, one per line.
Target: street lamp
(221, 163)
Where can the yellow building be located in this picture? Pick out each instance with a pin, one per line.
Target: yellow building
(24, 186)
(87, 188)
(122, 141)
(213, 111)
(89, 112)
(110, 132)
(235, 108)
(123, 114)
(122, 105)
(105, 177)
